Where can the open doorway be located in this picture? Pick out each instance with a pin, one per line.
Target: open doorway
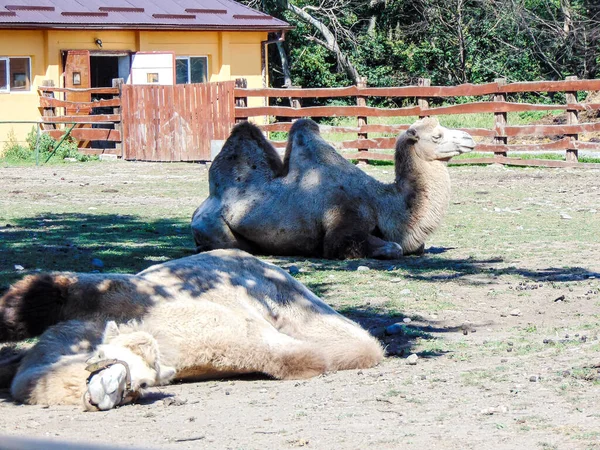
(104, 68)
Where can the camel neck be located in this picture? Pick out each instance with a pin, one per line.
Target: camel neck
(425, 188)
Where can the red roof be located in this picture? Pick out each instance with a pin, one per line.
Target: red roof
(136, 14)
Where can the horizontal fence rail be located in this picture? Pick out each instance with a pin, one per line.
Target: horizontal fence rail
(95, 125)
(541, 137)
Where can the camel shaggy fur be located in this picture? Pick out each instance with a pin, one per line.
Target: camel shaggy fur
(212, 315)
(316, 203)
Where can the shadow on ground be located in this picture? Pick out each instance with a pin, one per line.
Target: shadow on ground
(88, 242)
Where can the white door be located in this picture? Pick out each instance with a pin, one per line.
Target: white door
(153, 68)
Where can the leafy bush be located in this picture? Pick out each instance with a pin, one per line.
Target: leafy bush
(14, 151)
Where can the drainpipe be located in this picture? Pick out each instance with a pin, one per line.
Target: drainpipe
(263, 53)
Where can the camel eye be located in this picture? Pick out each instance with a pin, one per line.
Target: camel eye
(143, 385)
(437, 136)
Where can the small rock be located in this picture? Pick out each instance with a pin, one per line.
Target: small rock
(174, 401)
(559, 299)
(405, 292)
(396, 328)
(534, 378)
(396, 280)
(515, 312)
(412, 359)
(97, 262)
(363, 268)
(565, 216)
(19, 267)
(294, 270)
(407, 320)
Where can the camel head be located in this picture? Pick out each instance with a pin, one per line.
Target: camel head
(431, 141)
(123, 366)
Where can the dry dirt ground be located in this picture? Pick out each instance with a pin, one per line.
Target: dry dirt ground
(503, 311)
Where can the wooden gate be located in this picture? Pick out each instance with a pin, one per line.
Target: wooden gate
(175, 123)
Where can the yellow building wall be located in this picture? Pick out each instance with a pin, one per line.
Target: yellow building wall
(230, 55)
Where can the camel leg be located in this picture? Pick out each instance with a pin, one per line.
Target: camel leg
(380, 249)
(235, 343)
(211, 232)
(53, 370)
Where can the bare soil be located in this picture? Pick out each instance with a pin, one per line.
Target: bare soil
(503, 311)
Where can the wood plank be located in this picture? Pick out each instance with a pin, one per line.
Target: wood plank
(106, 90)
(88, 134)
(373, 143)
(100, 151)
(356, 111)
(83, 119)
(369, 128)
(551, 130)
(325, 111)
(524, 162)
(561, 144)
(425, 91)
(594, 146)
(47, 102)
(369, 156)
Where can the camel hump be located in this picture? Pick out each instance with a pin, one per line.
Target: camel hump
(247, 156)
(32, 305)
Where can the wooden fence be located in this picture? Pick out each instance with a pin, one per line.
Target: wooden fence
(176, 123)
(494, 98)
(94, 123)
(148, 123)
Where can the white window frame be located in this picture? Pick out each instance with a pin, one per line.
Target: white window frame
(190, 65)
(8, 81)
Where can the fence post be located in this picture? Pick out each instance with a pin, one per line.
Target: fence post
(361, 100)
(572, 119)
(423, 102)
(118, 83)
(241, 102)
(51, 111)
(500, 119)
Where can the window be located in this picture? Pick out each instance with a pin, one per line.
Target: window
(191, 69)
(15, 74)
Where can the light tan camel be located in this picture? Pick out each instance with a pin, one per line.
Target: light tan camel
(316, 203)
(216, 314)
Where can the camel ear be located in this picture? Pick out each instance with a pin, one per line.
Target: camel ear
(110, 332)
(412, 134)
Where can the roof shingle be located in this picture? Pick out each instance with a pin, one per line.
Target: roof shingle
(136, 14)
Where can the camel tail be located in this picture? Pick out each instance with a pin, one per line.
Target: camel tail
(31, 306)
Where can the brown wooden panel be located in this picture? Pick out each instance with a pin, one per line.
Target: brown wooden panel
(100, 151)
(88, 134)
(175, 123)
(104, 90)
(551, 130)
(77, 70)
(561, 144)
(374, 143)
(595, 146)
(523, 162)
(369, 156)
(552, 86)
(84, 119)
(48, 102)
(325, 111)
(425, 91)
